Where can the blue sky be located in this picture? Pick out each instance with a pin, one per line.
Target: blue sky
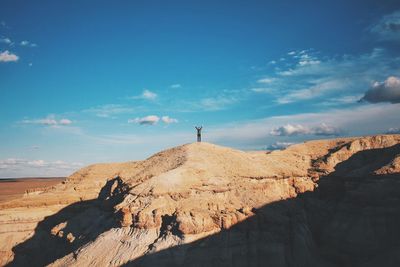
(103, 81)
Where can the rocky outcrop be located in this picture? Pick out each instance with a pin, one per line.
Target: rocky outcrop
(322, 203)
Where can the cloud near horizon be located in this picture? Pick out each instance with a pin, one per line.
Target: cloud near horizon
(393, 131)
(354, 121)
(17, 167)
(279, 145)
(298, 129)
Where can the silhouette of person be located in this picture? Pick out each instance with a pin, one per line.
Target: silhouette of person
(198, 133)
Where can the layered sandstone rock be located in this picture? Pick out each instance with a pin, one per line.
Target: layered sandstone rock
(202, 204)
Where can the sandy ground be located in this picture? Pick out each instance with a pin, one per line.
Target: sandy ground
(12, 188)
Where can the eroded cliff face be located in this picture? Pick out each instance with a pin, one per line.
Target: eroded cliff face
(322, 203)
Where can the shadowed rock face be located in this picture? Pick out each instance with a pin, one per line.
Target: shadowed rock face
(322, 203)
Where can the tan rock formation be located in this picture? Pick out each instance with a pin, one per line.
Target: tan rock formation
(202, 204)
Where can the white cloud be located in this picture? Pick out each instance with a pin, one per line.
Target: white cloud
(261, 90)
(388, 28)
(152, 120)
(297, 129)
(306, 59)
(168, 120)
(272, 62)
(387, 91)
(48, 121)
(327, 130)
(5, 40)
(290, 129)
(291, 53)
(266, 80)
(175, 86)
(6, 56)
(148, 120)
(27, 43)
(146, 95)
(308, 62)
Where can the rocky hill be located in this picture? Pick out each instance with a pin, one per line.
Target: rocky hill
(321, 203)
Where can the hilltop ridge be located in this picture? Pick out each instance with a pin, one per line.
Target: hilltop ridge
(115, 213)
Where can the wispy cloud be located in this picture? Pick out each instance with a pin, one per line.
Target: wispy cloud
(64, 122)
(7, 56)
(308, 76)
(266, 80)
(4, 25)
(313, 91)
(27, 43)
(15, 167)
(261, 90)
(387, 91)
(110, 110)
(5, 40)
(388, 27)
(168, 120)
(48, 121)
(175, 86)
(223, 100)
(342, 100)
(216, 103)
(146, 94)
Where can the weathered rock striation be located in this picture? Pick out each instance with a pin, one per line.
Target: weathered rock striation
(322, 203)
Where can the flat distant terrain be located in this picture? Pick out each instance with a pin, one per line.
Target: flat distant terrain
(11, 188)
